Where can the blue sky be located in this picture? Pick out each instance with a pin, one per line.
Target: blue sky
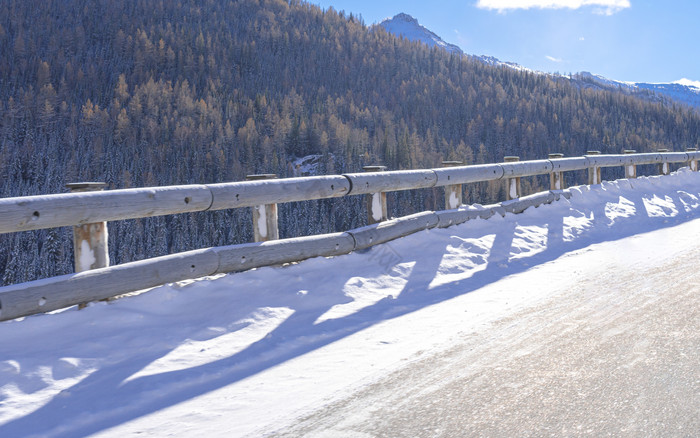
(626, 40)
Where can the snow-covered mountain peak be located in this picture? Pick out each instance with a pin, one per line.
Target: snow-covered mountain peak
(408, 27)
(405, 25)
(402, 16)
(683, 91)
(689, 83)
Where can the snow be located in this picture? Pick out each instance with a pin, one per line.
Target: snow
(87, 256)
(377, 207)
(309, 165)
(249, 353)
(262, 220)
(689, 83)
(513, 189)
(454, 202)
(408, 27)
(684, 90)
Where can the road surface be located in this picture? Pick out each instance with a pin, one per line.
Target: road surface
(614, 350)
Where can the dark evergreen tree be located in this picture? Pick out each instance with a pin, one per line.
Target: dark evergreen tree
(143, 92)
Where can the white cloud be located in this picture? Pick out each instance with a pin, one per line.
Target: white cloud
(604, 7)
(553, 59)
(581, 39)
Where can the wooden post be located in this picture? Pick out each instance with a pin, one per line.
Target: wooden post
(376, 202)
(453, 192)
(664, 168)
(512, 184)
(630, 169)
(693, 164)
(90, 248)
(264, 216)
(556, 179)
(593, 172)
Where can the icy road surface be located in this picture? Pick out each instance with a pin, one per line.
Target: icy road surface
(612, 350)
(579, 318)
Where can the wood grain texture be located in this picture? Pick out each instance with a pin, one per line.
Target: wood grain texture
(521, 204)
(375, 182)
(674, 157)
(526, 168)
(67, 290)
(615, 160)
(276, 191)
(447, 218)
(66, 209)
(569, 164)
(468, 174)
(393, 229)
(236, 258)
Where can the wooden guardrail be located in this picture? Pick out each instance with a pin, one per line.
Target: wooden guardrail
(97, 282)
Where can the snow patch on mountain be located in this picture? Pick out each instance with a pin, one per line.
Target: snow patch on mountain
(689, 83)
(684, 91)
(408, 27)
(677, 91)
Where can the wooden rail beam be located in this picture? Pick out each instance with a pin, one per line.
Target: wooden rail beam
(68, 209)
(374, 180)
(468, 174)
(375, 234)
(276, 191)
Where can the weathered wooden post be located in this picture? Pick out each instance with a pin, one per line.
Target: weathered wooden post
(556, 179)
(664, 168)
(376, 202)
(453, 192)
(512, 184)
(594, 171)
(630, 169)
(90, 248)
(264, 216)
(693, 164)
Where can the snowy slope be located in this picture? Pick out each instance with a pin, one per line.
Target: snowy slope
(246, 354)
(683, 91)
(679, 91)
(408, 27)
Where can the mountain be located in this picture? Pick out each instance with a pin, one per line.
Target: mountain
(683, 91)
(408, 27)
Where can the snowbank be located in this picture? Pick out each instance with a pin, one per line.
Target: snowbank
(250, 351)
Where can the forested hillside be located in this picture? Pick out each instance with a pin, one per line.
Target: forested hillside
(144, 92)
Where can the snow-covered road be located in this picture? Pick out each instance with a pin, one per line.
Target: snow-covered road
(543, 323)
(612, 350)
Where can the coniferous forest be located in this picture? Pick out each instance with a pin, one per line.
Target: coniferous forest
(156, 92)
